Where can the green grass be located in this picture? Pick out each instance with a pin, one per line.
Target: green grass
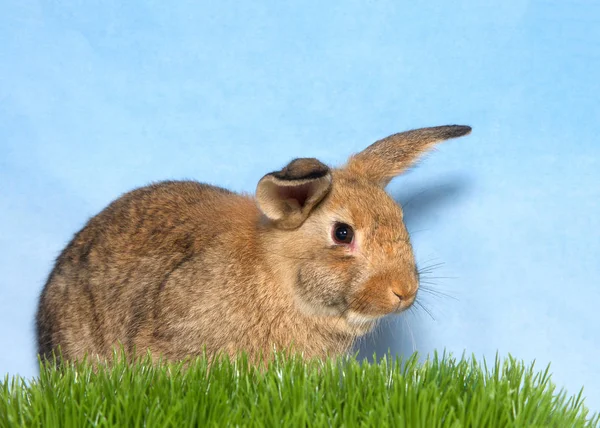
(444, 391)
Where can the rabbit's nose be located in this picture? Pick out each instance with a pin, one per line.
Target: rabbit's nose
(399, 294)
(405, 295)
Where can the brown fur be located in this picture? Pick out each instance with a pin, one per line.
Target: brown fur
(179, 267)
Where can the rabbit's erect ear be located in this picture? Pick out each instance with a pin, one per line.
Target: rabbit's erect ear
(287, 196)
(387, 158)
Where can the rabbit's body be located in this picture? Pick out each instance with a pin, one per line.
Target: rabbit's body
(143, 272)
(179, 267)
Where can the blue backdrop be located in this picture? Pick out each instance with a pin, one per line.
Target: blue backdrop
(98, 97)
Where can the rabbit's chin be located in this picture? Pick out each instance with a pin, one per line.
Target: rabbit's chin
(361, 323)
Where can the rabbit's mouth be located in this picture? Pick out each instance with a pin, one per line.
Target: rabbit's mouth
(358, 318)
(361, 323)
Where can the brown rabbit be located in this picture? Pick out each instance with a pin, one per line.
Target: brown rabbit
(177, 267)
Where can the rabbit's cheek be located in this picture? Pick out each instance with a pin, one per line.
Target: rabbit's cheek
(318, 292)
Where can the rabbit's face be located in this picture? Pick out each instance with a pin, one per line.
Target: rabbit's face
(356, 259)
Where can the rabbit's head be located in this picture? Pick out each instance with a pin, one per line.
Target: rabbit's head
(338, 238)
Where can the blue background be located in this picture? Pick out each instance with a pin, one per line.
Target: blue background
(98, 97)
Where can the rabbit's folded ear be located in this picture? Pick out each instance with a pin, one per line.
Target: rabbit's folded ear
(387, 158)
(286, 197)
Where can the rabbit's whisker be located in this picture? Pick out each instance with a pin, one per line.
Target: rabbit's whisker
(412, 336)
(436, 293)
(424, 308)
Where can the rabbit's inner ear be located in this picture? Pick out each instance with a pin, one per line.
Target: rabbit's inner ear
(299, 193)
(286, 197)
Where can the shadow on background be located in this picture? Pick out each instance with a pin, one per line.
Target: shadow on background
(422, 206)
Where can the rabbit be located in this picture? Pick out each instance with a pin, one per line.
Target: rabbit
(180, 268)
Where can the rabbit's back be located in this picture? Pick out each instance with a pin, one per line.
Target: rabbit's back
(105, 287)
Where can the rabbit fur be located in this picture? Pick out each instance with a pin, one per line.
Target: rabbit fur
(181, 268)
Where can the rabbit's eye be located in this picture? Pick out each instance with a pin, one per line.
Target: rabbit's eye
(342, 233)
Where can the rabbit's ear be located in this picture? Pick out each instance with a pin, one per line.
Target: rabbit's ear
(287, 196)
(387, 158)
